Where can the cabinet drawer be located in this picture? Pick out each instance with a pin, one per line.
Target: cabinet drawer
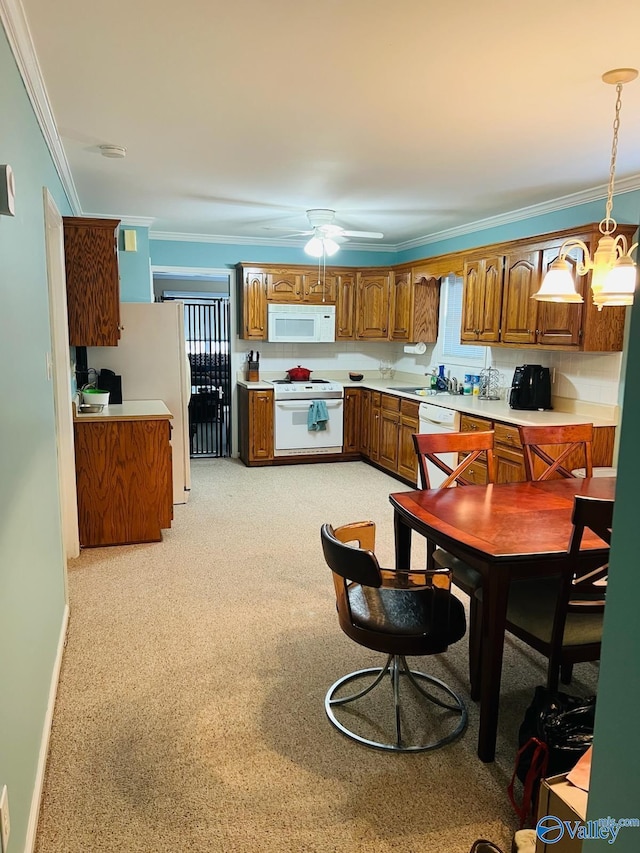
(376, 398)
(508, 435)
(472, 424)
(390, 403)
(477, 472)
(409, 408)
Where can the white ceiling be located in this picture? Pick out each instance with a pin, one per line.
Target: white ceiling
(409, 118)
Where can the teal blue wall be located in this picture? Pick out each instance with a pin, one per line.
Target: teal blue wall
(31, 556)
(184, 253)
(626, 209)
(135, 275)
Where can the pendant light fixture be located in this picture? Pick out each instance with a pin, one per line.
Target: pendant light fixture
(613, 278)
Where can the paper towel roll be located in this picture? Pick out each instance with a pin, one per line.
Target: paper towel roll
(416, 349)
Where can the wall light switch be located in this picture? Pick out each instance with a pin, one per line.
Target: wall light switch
(130, 241)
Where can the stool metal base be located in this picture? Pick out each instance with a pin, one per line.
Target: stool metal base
(396, 666)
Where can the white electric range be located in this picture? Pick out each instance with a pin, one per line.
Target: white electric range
(292, 403)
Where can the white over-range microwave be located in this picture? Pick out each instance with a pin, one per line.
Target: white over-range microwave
(299, 324)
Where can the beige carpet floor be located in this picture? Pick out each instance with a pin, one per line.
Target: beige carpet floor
(190, 707)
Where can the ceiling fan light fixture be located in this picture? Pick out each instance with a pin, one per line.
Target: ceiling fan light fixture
(319, 246)
(613, 270)
(314, 247)
(330, 246)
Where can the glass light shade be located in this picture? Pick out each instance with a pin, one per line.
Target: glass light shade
(330, 246)
(558, 285)
(618, 285)
(314, 247)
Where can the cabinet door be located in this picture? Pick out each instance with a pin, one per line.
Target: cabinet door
(373, 305)
(365, 421)
(389, 430)
(519, 310)
(471, 300)
(374, 427)
(560, 324)
(491, 296)
(426, 308)
(254, 306)
(260, 425)
(401, 309)
(346, 306)
(319, 288)
(93, 281)
(351, 441)
(284, 285)
(409, 424)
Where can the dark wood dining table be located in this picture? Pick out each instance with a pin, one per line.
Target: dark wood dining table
(504, 531)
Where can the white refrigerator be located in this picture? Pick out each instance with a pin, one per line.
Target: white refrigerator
(152, 359)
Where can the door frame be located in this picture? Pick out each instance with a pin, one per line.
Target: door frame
(236, 356)
(58, 364)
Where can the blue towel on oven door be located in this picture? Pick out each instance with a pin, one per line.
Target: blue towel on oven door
(318, 416)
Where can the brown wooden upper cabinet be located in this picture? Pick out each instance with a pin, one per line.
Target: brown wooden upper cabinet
(373, 289)
(252, 304)
(497, 304)
(401, 303)
(346, 306)
(93, 281)
(414, 305)
(482, 300)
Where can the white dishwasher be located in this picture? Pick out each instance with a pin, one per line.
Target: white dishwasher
(438, 419)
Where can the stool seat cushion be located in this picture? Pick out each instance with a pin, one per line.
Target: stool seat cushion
(409, 613)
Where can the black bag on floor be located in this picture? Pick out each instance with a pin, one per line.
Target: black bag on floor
(556, 731)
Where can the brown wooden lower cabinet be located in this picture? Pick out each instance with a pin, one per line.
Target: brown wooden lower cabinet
(255, 425)
(392, 422)
(124, 482)
(351, 441)
(509, 454)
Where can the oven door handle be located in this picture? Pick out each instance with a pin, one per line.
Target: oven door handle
(304, 404)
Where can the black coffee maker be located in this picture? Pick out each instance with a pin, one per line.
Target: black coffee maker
(531, 387)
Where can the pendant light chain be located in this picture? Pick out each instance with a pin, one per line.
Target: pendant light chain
(608, 225)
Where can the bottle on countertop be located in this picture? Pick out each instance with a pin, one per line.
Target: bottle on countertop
(467, 387)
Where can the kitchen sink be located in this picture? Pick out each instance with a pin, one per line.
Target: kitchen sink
(420, 391)
(408, 389)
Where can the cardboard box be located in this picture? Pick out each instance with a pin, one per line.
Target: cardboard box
(566, 802)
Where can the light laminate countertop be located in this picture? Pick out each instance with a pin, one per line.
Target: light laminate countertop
(497, 410)
(128, 410)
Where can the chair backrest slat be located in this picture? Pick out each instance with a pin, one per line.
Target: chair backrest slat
(553, 446)
(430, 447)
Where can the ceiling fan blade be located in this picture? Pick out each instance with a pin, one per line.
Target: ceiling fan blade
(291, 232)
(372, 234)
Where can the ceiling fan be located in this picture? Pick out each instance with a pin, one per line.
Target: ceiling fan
(325, 235)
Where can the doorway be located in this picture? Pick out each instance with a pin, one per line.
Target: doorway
(207, 325)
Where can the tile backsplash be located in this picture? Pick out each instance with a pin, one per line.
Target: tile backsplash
(585, 377)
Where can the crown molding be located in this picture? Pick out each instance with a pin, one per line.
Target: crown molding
(22, 47)
(134, 221)
(624, 185)
(260, 241)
